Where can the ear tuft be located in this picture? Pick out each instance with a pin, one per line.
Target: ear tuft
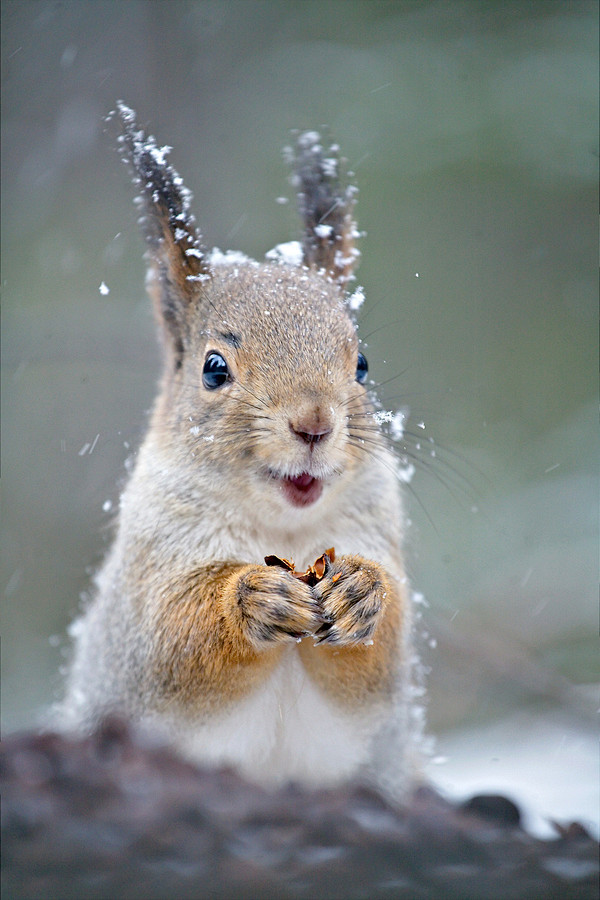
(177, 259)
(164, 199)
(326, 207)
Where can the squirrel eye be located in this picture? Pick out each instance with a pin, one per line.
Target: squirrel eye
(362, 368)
(215, 371)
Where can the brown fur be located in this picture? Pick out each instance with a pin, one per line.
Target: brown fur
(220, 631)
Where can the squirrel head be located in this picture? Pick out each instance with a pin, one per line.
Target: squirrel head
(263, 374)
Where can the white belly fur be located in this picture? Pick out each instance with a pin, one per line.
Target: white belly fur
(287, 730)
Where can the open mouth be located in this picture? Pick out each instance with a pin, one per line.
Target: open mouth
(302, 490)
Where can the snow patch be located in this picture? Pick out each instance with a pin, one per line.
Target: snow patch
(310, 139)
(405, 472)
(289, 253)
(396, 422)
(329, 164)
(356, 300)
(159, 154)
(323, 231)
(217, 258)
(203, 276)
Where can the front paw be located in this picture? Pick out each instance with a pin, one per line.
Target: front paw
(352, 595)
(274, 606)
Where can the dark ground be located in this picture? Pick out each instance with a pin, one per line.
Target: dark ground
(112, 817)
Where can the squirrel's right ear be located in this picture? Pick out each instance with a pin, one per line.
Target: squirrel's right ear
(326, 205)
(177, 260)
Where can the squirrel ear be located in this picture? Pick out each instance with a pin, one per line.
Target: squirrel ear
(177, 259)
(326, 208)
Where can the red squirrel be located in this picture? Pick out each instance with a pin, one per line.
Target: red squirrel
(263, 443)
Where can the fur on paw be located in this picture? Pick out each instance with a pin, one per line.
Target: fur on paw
(275, 606)
(351, 597)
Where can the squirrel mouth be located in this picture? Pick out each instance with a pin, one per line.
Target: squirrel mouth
(303, 490)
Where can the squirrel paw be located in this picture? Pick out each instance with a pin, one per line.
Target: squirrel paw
(275, 606)
(351, 597)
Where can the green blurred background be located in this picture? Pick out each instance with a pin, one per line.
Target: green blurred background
(472, 128)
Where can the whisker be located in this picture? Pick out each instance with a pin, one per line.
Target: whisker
(405, 483)
(375, 385)
(365, 337)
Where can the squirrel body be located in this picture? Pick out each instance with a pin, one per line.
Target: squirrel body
(262, 441)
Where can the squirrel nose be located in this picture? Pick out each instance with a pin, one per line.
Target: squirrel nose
(310, 433)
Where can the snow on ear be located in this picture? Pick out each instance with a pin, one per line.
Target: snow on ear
(177, 260)
(326, 206)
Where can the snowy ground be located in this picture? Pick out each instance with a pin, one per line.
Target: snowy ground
(546, 762)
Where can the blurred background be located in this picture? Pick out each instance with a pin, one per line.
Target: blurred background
(472, 128)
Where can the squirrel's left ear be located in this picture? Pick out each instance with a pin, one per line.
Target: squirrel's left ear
(177, 260)
(326, 206)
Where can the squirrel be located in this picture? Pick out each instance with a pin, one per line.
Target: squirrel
(263, 440)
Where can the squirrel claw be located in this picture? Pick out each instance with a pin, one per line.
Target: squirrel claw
(323, 632)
